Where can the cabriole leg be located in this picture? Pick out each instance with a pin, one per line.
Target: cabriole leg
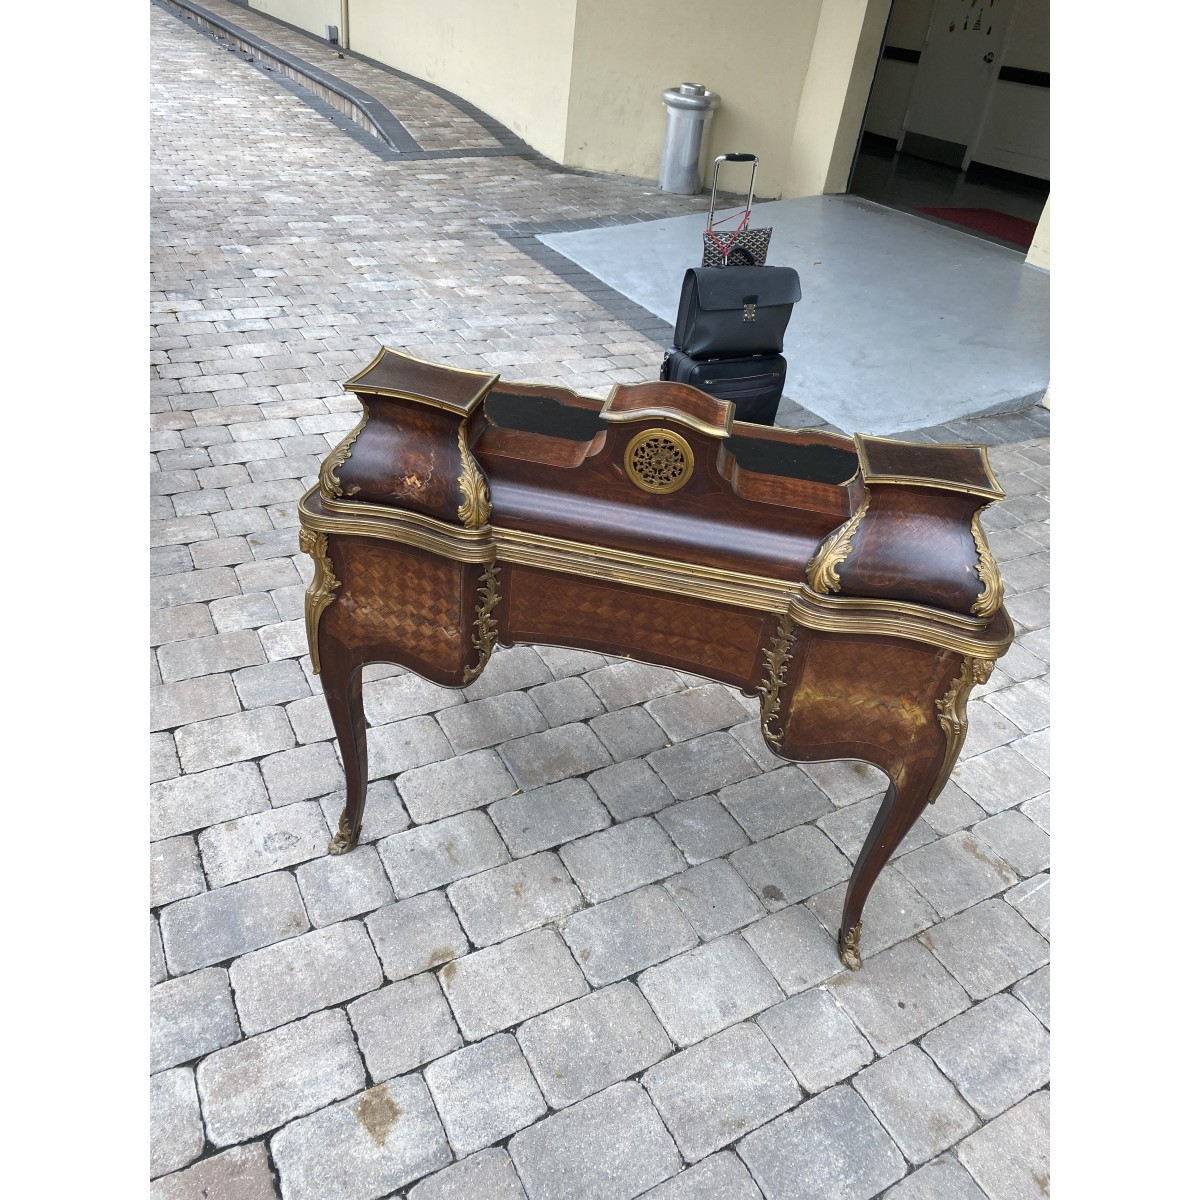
(342, 681)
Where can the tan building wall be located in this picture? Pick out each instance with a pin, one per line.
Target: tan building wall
(1039, 252)
(511, 58)
(312, 15)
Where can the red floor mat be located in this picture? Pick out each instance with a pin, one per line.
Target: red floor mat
(989, 221)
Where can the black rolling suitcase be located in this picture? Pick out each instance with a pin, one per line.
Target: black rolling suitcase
(754, 384)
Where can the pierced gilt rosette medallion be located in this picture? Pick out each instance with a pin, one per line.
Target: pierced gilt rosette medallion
(659, 461)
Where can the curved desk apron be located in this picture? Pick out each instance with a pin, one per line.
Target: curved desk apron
(846, 582)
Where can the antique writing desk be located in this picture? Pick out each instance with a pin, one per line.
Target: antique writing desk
(846, 582)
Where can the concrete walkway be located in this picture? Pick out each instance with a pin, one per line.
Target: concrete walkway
(623, 982)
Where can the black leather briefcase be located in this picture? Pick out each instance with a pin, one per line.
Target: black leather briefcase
(754, 385)
(734, 311)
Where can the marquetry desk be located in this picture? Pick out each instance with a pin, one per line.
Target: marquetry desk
(847, 582)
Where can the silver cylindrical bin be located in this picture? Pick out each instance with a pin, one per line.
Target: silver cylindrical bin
(690, 106)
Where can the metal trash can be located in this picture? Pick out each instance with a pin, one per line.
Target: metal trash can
(690, 106)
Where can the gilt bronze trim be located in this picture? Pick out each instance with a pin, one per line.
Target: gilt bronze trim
(330, 484)
(476, 507)
(849, 951)
(486, 627)
(319, 595)
(952, 714)
(833, 551)
(778, 655)
(992, 595)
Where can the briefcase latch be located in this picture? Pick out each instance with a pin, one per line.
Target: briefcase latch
(749, 308)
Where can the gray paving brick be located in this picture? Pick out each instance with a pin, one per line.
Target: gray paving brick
(269, 574)
(284, 640)
(158, 964)
(707, 989)
(956, 872)
(563, 661)
(403, 745)
(630, 789)
(176, 1134)
(548, 816)
(384, 812)
(895, 910)
(622, 684)
(713, 1093)
(986, 729)
(702, 765)
(402, 696)
(585, 1046)
(817, 1040)
(190, 587)
(182, 531)
(714, 898)
(271, 683)
(491, 721)
(180, 623)
(942, 1179)
(701, 829)
(226, 740)
(455, 785)
(251, 611)
(509, 670)
(696, 711)
(224, 552)
(627, 934)
(242, 1173)
(612, 1146)
(302, 773)
(1000, 779)
(830, 1148)
(499, 986)
(556, 754)
(1036, 748)
(1010, 1157)
(344, 885)
(1026, 704)
(987, 947)
(191, 1016)
(794, 947)
(164, 762)
(175, 871)
(484, 1093)
(995, 1054)
(749, 736)
(780, 799)
(430, 856)
(416, 935)
(915, 1103)
(898, 995)
(263, 842)
(291, 979)
(628, 733)
(175, 704)
(194, 801)
(233, 920)
(262, 1082)
(790, 866)
(566, 700)
(952, 810)
(403, 1026)
(514, 898)
(364, 1147)
(846, 782)
(1034, 993)
(1022, 844)
(719, 1177)
(847, 828)
(622, 858)
(310, 719)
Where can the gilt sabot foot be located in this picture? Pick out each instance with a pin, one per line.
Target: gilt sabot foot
(345, 839)
(848, 951)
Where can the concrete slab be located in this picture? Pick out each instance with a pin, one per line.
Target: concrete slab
(903, 323)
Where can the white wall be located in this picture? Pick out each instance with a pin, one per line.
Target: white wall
(312, 15)
(906, 30)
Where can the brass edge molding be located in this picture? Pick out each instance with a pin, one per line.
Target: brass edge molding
(646, 466)
(778, 655)
(849, 951)
(659, 574)
(911, 622)
(488, 381)
(952, 714)
(666, 414)
(330, 484)
(319, 595)
(992, 596)
(486, 627)
(476, 507)
(834, 550)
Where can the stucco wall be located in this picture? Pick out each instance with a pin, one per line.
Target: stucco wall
(1039, 251)
(512, 58)
(312, 15)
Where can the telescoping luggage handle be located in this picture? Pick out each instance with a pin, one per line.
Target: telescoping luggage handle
(747, 247)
